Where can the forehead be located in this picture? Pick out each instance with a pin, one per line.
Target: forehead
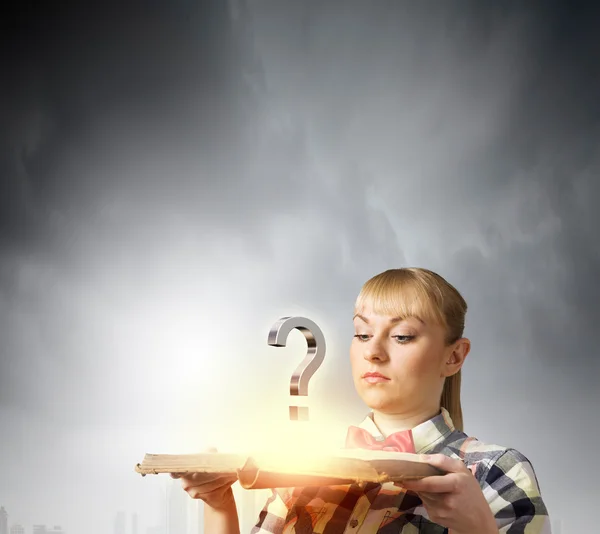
(396, 308)
(369, 317)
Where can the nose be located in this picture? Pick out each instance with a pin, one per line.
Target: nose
(375, 351)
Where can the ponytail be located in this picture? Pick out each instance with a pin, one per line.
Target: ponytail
(451, 400)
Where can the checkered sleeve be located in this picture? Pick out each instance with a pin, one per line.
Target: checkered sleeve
(512, 491)
(271, 519)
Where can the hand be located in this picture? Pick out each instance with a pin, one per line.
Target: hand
(453, 500)
(215, 490)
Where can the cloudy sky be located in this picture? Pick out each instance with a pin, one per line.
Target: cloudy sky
(176, 176)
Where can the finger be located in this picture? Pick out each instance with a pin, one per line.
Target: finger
(202, 478)
(212, 498)
(198, 479)
(215, 495)
(209, 485)
(431, 499)
(435, 484)
(409, 485)
(445, 463)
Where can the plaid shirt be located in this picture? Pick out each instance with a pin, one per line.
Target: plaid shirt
(506, 477)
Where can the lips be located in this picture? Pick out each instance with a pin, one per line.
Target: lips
(375, 378)
(374, 375)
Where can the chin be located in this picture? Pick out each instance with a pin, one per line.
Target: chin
(378, 400)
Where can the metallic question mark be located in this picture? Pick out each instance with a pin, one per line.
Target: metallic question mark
(312, 361)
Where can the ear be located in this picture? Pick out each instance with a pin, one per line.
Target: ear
(456, 355)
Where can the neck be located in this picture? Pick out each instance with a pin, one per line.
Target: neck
(390, 422)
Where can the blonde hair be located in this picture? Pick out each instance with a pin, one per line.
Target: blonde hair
(417, 292)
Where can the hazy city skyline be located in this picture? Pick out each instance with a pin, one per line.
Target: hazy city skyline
(7, 526)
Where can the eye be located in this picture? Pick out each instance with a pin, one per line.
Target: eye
(361, 337)
(403, 339)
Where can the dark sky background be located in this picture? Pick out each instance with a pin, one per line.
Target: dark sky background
(176, 176)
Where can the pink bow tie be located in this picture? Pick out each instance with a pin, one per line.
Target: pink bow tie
(358, 438)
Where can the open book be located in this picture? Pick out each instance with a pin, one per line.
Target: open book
(261, 471)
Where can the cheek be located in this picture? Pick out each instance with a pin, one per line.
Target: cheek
(354, 358)
(415, 363)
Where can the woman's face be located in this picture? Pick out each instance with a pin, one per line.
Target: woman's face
(398, 366)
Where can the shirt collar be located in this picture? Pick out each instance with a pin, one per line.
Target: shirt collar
(425, 436)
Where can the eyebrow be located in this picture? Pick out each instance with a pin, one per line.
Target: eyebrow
(392, 320)
(364, 319)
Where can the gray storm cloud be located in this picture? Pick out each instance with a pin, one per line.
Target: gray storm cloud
(178, 177)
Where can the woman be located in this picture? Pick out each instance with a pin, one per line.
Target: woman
(406, 357)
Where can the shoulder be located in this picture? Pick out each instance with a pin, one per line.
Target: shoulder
(507, 479)
(511, 488)
(490, 462)
(512, 469)
(469, 449)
